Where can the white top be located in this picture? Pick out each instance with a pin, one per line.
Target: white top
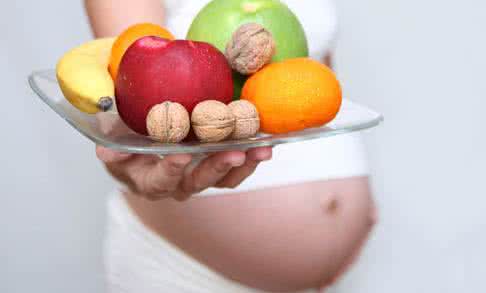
(328, 158)
(318, 17)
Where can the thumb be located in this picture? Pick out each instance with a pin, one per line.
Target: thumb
(107, 155)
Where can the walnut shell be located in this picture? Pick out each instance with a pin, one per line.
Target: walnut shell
(168, 122)
(247, 119)
(251, 47)
(212, 121)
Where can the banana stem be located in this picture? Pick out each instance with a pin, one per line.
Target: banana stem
(105, 104)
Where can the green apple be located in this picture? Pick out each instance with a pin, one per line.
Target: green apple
(217, 21)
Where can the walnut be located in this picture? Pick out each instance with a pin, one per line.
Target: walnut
(168, 122)
(251, 47)
(247, 119)
(212, 121)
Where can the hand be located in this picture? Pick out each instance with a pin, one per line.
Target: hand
(173, 176)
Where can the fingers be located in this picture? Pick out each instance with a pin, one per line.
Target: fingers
(253, 158)
(109, 156)
(155, 178)
(173, 168)
(212, 170)
(260, 154)
(158, 178)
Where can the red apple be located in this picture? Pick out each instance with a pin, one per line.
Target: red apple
(155, 70)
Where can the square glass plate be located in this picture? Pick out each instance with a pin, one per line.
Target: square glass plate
(108, 130)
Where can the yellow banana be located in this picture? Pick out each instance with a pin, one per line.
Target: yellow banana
(84, 79)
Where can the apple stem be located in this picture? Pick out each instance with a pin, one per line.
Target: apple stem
(105, 104)
(250, 7)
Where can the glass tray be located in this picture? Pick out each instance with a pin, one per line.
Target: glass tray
(106, 129)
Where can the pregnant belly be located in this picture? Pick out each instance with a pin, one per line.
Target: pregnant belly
(281, 239)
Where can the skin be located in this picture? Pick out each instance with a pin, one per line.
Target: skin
(306, 238)
(307, 233)
(226, 169)
(153, 178)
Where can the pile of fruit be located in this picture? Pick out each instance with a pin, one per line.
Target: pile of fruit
(243, 68)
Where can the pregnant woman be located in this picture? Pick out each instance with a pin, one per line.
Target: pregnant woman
(288, 219)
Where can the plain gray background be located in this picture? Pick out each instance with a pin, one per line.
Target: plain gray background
(421, 63)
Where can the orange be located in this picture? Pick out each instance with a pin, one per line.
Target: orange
(128, 37)
(293, 95)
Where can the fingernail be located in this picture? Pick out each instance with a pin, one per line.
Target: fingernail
(224, 167)
(265, 158)
(238, 163)
(262, 157)
(175, 168)
(176, 165)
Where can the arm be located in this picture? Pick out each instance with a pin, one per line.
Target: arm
(111, 17)
(149, 176)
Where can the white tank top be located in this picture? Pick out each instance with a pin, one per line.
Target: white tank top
(318, 17)
(329, 158)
